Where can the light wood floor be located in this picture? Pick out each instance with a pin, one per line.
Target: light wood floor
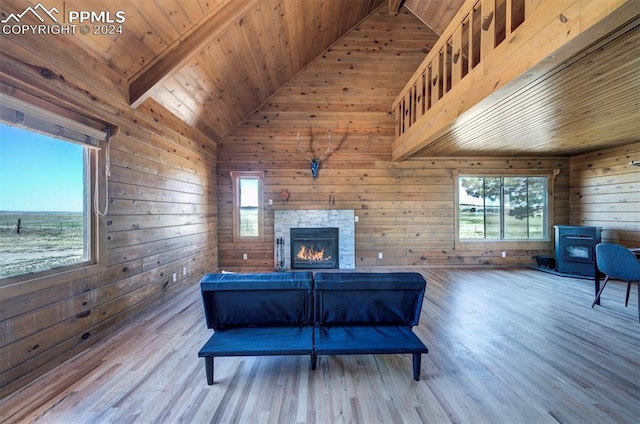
(506, 346)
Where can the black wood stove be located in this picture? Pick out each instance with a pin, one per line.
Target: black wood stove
(575, 249)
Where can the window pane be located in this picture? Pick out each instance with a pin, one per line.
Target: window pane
(492, 207)
(43, 205)
(249, 192)
(479, 207)
(524, 207)
(516, 208)
(249, 222)
(538, 210)
(248, 211)
(471, 208)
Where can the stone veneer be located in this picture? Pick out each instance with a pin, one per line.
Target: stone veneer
(343, 219)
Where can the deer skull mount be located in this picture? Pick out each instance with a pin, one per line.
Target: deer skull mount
(315, 162)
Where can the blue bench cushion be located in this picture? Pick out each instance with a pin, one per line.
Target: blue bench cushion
(257, 300)
(362, 298)
(355, 340)
(259, 342)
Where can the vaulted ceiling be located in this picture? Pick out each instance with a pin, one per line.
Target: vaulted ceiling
(214, 74)
(212, 63)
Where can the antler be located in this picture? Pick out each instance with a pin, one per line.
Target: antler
(315, 163)
(303, 152)
(324, 155)
(328, 152)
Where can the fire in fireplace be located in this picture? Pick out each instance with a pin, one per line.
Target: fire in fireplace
(314, 248)
(311, 254)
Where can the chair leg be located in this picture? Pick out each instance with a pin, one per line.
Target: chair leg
(417, 360)
(597, 298)
(208, 365)
(626, 299)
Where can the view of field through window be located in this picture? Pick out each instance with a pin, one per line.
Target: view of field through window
(502, 208)
(248, 211)
(43, 221)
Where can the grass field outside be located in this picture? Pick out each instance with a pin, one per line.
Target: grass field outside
(472, 226)
(46, 240)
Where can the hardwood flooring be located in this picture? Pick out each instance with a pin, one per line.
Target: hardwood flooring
(505, 346)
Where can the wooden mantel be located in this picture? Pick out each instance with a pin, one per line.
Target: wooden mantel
(491, 49)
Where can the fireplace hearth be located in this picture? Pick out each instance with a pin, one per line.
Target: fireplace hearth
(314, 248)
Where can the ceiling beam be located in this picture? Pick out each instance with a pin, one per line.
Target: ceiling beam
(394, 7)
(184, 49)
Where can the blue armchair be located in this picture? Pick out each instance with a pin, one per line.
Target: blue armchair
(616, 261)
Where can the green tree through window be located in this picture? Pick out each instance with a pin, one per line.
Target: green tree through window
(503, 207)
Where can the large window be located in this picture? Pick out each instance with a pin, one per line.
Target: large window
(48, 222)
(247, 206)
(497, 207)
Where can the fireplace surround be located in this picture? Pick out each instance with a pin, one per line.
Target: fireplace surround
(342, 219)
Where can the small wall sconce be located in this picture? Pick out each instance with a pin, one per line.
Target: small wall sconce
(635, 163)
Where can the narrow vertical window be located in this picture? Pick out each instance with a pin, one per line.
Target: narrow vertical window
(247, 206)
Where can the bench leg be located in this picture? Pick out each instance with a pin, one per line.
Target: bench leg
(417, 359)
(314, 361)
(208, 364)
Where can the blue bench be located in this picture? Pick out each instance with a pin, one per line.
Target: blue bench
(257, 315)
(368, 313)
(291, 314)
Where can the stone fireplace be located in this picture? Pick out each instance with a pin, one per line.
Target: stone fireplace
(338, 224)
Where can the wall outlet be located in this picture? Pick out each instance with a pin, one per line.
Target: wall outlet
(504, 254)
(175, 277)
(270, 201)
(380, 255)
(184, 271)
(245, 256)
(356, 218)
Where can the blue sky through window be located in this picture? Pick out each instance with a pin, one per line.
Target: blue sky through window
(39, 173)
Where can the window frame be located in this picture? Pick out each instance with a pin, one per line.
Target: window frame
(531, 244)
(236, 176)
(38, 115)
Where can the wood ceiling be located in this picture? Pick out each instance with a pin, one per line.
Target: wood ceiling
(214, 62)
(588, 102)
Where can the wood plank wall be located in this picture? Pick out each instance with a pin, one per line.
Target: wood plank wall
(405, 210)
(604, 192)
(162, 218)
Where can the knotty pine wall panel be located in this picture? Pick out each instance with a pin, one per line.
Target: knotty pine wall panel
(405, 210)
(604, 193)
(162, 218)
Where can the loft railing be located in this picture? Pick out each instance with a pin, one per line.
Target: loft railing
(488, 45)
(476, 30)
